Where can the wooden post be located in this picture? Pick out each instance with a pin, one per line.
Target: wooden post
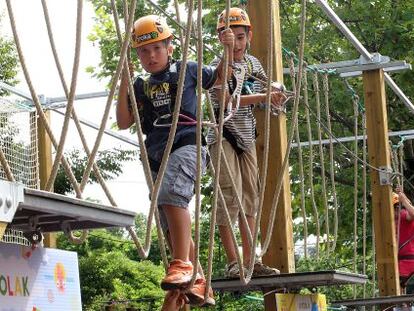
(45, 167)
(281, 250)
(382, 209)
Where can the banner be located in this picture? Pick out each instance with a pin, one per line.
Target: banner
(38, 279)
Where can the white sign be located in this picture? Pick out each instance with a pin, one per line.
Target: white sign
(38, 279)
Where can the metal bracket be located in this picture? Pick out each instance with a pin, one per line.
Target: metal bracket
(11, 194)
(376, 58)
(385, 175)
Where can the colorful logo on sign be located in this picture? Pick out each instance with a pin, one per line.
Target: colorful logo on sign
(60, 277)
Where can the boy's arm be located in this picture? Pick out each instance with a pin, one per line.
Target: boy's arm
(124, 116)
(406, 203)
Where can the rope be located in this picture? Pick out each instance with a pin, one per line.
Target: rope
(356, 115)
(364, 199)
(229, 173)
(198, 143)
(331, 159)
(300, 160)
(310, 170)
(111, 94)
(69, 107)
(143, 252)
(180, 31)
(292, 132)
(74, 115)
(267, 143)
(6, 166)
(218, 160)
(322, 164)
(36, 101)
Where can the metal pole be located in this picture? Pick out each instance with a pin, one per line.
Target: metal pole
(20, 93)
(361, 49)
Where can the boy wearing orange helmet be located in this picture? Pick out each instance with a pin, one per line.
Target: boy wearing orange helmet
(404, 220)
(239, 145)
(156, 97)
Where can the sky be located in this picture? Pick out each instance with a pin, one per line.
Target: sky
(130, 187)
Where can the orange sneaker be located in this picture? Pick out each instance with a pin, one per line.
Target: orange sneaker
(178, 275)
(195, 294)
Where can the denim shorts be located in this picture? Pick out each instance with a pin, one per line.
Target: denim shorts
(177, 186)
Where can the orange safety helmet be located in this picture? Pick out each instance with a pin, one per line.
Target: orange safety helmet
(237, 17)
(149, 29)
(395, 198)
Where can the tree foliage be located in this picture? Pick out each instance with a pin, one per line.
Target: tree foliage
(8, 61)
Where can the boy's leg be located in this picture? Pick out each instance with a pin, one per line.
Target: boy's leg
(229, 197)
(250, 186)
(179, 224)
(245, 237)
(176, 191)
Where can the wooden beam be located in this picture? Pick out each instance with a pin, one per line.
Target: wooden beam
(281, 249)
(382, 209)
(45, 167)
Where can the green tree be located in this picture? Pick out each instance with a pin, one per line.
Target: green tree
(8, 61)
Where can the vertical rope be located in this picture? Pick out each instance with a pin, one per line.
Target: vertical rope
(283, 168)
(322, 164)
(264, 168)
(364, 199)
(71, 97)
(218, 160)
(199, 143)
(310, 170)
(178, 17)
(6, 166)
(300, 162)
(325, 82)
(356, 115)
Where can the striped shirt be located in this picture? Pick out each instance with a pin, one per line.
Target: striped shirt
(243, 124)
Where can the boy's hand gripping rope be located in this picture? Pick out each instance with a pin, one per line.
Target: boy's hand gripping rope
(233, 104)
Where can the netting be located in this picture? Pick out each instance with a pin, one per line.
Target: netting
(18, 139)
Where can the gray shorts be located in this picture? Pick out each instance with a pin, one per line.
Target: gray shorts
(177, 186)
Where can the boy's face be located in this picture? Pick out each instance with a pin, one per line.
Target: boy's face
(154, 56)
(242, 37)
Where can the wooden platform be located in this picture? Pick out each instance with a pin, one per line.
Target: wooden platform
(290, 281)
(49, 212)
(387, 300)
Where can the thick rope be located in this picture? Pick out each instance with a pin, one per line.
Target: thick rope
(229, 173)
(198, 143)
(178, 18)
(364, 200)
(300, 162)
(36, 101)
(265, 160)
(310, 164)
(325, 82)
(6, 167)
(322, 161)
(111, 94)
(218, 160)
(283, 168)
(71, 97)
(355, 101)
(74, 115)
(143, 252)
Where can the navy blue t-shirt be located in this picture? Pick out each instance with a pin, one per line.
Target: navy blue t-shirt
(159, 95)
